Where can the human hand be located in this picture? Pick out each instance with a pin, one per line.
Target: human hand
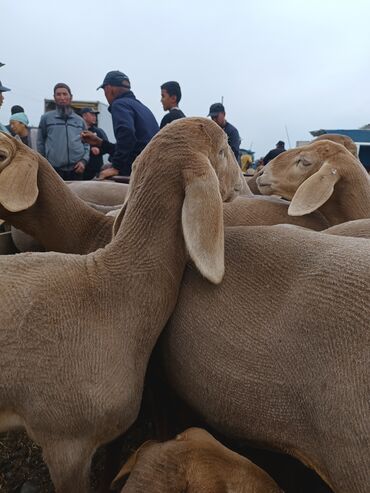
(107, 173)
(95, 150)
(90, 138)
(79, 167)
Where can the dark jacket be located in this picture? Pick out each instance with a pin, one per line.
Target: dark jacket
(273, 153)
(233, 138)
(173, 114)
(95, 162)
(59, 139)
(134, 126)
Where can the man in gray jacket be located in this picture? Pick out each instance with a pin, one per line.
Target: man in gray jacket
(59, 137)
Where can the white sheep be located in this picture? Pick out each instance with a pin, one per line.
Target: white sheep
(76, 331)
(320, 176)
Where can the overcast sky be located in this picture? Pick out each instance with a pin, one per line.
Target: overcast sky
(282, 67)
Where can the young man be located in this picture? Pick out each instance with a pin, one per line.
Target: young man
(95, 163)
(3, 89)
(217, 113)
(59, 137)
(133, 123)
(170, 98)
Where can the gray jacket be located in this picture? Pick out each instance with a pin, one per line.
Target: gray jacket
(59, 139)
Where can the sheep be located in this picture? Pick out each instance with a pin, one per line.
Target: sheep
(100, 192)
(35, 199)
(286, 367)
(359, 229)
(77, 331)
(194, 462)
(320, 176)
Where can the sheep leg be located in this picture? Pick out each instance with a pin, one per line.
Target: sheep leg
(69, 465)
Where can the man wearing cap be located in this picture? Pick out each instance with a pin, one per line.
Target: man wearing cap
(133, 123)
(95, 162)
(59, 137)
(217, 113)
(280, 147)
(3, 89)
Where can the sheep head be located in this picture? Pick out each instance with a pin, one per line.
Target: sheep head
(18, 174)
(194, 461)
(307, 175)
(195, 150)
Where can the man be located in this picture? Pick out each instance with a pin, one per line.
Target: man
(59, 137)
(217, 113)
(3, 89)
(95, 162)
(170, 98)
(133, 123)
(280, 147)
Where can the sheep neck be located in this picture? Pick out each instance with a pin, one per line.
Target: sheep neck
(59, 220)
(145, 261)
(350, 199)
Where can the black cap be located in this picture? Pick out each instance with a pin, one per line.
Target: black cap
(88, 110)
(115, 78)
(3, 88)
(215, 109)
(280, 144)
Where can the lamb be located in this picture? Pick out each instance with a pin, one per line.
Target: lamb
(320, 176)
(194, 462)
(77, 331)
(288, 368)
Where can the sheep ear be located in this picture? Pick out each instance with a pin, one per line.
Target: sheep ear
(18, 183)
(314, 191)
(202, 221)
(130, 463)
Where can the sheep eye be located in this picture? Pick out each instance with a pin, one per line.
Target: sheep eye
(222, 153)
(3, 156)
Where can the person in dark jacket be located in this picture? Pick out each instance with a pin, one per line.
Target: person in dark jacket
(134, 125)
(170, 98)
(95, 162)
(217, 113)
(280, 147)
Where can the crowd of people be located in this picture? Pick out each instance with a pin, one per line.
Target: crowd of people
(74, 145)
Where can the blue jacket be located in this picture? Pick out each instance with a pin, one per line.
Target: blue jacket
(134, 126)
(59, 139)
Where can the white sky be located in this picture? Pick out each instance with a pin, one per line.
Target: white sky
(299, 64)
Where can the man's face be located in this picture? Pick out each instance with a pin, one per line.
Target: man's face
(219, 119)
(1, 99)
(17, 127)
(90, 119)
(62, 97)
(167, 101)
(109, 93)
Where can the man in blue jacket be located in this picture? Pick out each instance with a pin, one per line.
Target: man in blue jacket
(133, 123)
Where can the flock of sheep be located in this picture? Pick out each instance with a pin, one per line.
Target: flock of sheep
(262, 306)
